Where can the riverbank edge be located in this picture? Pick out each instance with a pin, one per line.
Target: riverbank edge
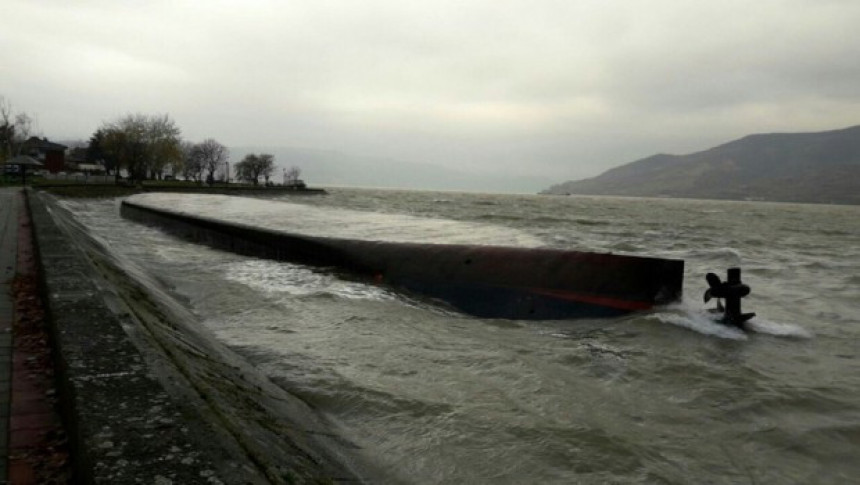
(112, 190)
(121, 423)
(132, 417)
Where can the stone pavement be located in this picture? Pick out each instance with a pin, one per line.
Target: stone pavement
(9, 202)
(32, 449)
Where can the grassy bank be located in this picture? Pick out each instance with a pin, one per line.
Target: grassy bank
(76, 189)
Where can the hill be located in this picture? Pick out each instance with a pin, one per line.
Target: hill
(822, 167)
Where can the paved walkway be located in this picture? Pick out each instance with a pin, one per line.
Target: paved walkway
(9, 204)
(217, 421)
(32, 441)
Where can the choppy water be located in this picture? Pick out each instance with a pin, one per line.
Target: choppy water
(660, 397)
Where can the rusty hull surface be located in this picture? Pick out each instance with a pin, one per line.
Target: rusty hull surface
(484, 281)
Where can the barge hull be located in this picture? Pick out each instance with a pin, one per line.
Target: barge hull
(484, 281)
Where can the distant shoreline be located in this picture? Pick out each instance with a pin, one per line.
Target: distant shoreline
(708, 199)
(109, 190)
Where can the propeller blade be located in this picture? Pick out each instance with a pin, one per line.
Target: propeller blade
(707, 295)
(713, 280)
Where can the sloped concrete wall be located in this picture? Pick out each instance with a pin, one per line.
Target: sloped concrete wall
(148, 397)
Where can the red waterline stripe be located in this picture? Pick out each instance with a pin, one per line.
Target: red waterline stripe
(594, 300)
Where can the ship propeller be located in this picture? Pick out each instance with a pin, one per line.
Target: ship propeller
(732, 290)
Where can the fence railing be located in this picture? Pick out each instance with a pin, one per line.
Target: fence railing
(81, 178)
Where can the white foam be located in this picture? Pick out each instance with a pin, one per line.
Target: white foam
(698, 321)
(691, 316)
(283, 278)
(334, 222)
(761, 325)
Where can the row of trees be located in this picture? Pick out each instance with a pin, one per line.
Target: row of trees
(148, 147)
(15, 129)
(144, 146)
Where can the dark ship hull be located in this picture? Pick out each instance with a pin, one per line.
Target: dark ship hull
(484, 281)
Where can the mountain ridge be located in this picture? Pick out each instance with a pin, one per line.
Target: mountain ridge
(811, 167)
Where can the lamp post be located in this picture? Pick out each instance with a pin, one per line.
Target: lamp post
(227, 177)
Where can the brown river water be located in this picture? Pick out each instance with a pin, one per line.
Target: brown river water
(432, 396)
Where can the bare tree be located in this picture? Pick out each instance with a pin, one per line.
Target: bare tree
(253, 166)
(244, 169)
(163, 136)
(7, 129)
(291, 175)
(174, 164)
(24, 127)
(214, 156)
(192, 163)
(15, 130)
(5, 110)
(267, 166)
(98, 153)
(125, 141)
(142, 144)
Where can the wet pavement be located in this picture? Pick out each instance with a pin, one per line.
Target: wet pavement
(9, 200)
(33, 440)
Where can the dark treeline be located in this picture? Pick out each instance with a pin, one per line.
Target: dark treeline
(148, 147)
(15, 129)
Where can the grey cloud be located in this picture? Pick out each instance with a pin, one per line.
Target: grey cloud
(566, 89)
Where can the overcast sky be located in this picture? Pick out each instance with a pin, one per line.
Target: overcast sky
(562, 89)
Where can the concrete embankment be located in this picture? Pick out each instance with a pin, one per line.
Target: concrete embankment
(148, 396)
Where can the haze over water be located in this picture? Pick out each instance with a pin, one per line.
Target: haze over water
(432, 396)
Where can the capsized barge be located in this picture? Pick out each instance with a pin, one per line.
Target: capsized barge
(484, 281)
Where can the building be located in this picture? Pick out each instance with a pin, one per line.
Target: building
(53, 155)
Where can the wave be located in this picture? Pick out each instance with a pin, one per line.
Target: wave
(820, 264)
(823, 232)
(700, 322)
(295, 280)
(497, 217)
(539, 220)
(591, 222)
(687, 315)
(762, 325)
(335, 222)
(732, 255)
